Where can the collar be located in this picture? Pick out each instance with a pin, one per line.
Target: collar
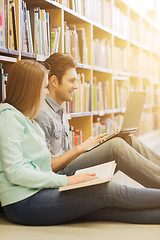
(56, 107)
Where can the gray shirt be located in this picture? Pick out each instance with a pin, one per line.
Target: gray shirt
(55, 126)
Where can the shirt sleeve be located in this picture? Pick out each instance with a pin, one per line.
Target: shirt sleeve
(16, 169)
(43, 120)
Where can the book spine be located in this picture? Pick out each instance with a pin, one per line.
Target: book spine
(14, 24)
(1, 83)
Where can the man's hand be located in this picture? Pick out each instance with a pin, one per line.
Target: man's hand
(79, 178)
(91, 141)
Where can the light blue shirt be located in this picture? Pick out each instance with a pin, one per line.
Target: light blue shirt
(25, 162)
(55, 126)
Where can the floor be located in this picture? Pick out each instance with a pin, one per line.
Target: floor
(88, 230)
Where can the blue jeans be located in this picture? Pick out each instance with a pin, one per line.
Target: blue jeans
(105, 202)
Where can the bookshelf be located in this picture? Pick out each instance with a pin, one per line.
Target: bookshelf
(116, 52)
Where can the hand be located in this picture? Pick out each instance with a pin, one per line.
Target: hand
(91, 141)
(79, 178)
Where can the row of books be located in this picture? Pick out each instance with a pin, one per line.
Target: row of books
(89, 96)
(100, 11)
(45, 38)
(156, 95)
(8, 25)
(133, 28)
(96, 96)
(120, 21)
(36, 35)
(3, 82)
(76, 136)
(109, 125)
(25, 27)
(152, 96)
(149, 122)
(81, 97)
(120, 59)
(75, 43)
(143, 63)
(121, 94)
(102, 53)
(135, 64)
(150, 37)
(149, 65)
(101, 95)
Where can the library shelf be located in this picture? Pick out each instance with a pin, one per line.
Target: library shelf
(102, 70)
(103, 112)
(28, 55)
(84, 66)
(43, 4)
(71, 15)
(126, 51)
(7, 59)
(81, 114)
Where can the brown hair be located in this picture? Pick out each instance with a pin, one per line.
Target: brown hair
(58, 64)
(24, 86)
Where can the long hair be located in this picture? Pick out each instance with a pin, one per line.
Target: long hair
(24, 86)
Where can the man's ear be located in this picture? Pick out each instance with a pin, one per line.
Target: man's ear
(53, 81)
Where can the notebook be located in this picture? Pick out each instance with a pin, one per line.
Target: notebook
(131, 118)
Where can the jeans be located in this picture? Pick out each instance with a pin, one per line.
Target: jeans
(105, 202)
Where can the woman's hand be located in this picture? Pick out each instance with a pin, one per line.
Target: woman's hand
(79, 178)
(91, 141)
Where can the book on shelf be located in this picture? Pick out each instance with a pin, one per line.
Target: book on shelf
(12, 6)
(75, 43)
(76, 136)
(40, 29)
(101, 98)
(1, 83)
(55, 36)
(2, 23)
(121, 94)
(25, 28)
(82, 45)
(74, 48)
(104, 173)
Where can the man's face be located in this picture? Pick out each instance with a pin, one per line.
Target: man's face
(65, 89)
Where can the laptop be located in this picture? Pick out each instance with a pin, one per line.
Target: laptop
(131, 118)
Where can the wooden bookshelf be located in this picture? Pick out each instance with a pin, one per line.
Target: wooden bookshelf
(122, 48)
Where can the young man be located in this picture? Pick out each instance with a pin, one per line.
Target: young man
(132, 157)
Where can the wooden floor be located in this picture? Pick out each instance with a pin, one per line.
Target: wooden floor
(89, 230)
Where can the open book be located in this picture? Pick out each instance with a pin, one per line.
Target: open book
(104, 172)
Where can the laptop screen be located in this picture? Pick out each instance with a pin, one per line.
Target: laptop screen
(134, 109)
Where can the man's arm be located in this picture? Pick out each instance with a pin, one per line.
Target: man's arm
(63, 160)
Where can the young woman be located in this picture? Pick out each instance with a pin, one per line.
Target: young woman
(28, 187)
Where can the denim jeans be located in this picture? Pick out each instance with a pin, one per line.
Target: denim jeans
(105, 202)
(108, 201)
